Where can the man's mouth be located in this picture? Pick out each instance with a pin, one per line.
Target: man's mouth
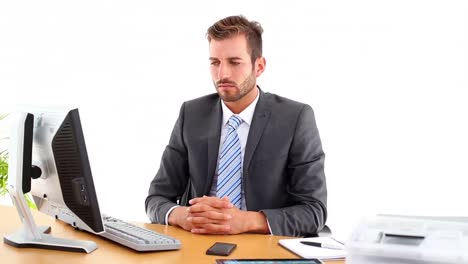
(227, 85)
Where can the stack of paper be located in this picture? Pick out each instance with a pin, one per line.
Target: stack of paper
(307, 251)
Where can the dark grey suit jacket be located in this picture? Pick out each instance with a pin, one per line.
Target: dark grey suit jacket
(283, 169)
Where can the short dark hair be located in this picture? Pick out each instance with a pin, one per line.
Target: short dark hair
(235, 25)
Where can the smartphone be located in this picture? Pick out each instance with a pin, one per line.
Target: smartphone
(221, 249)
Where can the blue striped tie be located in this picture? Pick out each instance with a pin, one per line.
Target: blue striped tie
(230, 164)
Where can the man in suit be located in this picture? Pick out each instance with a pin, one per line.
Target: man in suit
(241, 160)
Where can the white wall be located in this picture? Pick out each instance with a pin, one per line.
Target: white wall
(386, 79)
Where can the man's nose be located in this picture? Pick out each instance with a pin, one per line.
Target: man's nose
(224, 72)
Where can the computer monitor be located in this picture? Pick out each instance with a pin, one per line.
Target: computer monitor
(48, 158)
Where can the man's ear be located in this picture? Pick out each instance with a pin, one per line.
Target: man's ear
(260, 64)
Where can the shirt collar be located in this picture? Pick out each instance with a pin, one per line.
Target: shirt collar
(246, 115)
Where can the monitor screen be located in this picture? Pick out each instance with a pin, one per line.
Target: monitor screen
(65, 187)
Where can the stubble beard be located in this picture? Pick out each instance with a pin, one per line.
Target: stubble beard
(241, 90)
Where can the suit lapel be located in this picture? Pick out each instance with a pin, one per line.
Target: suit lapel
(214, 134)
(259, 121)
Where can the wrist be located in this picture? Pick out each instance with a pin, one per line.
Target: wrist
(177, 215)
(256, 223)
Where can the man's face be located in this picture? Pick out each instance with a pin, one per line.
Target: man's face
(232, 71)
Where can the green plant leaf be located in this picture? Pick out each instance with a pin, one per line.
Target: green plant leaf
(3, 174)
(30, 201)
(3, 192)
(3, 168)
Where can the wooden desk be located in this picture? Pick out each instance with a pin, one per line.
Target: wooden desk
(193, 246)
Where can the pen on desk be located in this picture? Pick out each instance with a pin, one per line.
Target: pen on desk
(322, 245)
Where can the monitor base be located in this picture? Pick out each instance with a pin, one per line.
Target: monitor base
(19, 239)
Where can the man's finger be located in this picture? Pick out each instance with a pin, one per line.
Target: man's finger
(199, 208)
(212, 201)
(198, 220)
(211, 215)
(211, 229)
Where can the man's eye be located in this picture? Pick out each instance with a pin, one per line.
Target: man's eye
(235, 63)
(214, 63)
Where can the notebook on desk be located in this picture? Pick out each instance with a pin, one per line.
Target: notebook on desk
(307, 251)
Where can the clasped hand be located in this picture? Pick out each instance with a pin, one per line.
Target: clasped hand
(214, 215)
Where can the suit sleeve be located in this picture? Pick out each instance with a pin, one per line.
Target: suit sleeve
(306, 183)
(171, 179)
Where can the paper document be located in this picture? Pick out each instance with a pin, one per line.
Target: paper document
(307, 251)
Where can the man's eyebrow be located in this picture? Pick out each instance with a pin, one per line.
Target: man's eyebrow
(230, 58)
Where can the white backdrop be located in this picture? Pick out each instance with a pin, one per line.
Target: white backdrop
(387, 81)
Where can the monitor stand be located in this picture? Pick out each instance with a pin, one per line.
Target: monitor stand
(30, 235)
